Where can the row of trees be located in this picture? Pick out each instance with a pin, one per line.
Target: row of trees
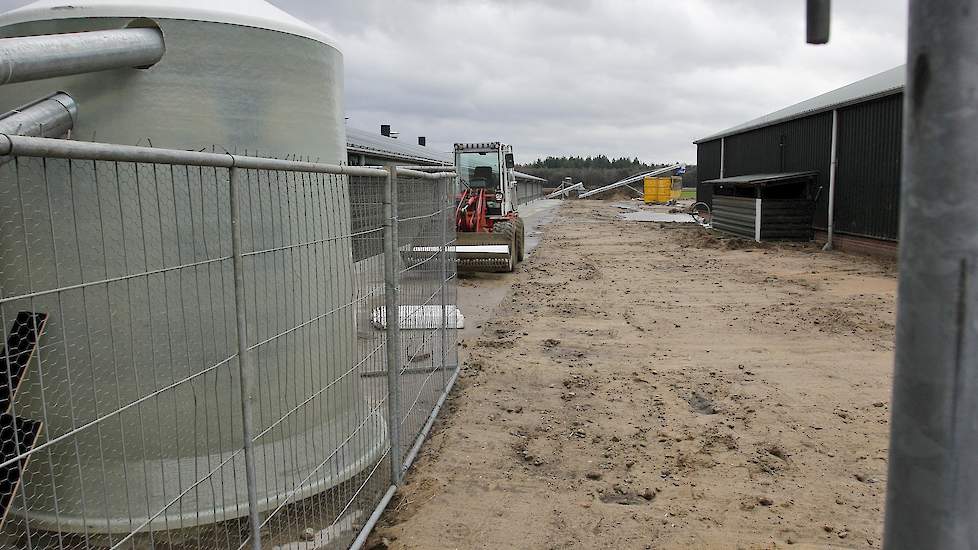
(595, 171)
(598, 162)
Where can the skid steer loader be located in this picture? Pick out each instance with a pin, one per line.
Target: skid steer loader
(488, 230)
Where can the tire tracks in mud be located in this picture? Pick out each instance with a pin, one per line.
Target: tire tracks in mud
(637, 390)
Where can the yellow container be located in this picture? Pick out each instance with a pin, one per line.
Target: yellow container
(659, 190)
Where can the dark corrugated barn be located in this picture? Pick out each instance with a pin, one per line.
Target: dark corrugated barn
(864, 123)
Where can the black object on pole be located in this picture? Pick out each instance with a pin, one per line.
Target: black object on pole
(819, 12)
(385, 130)
(422, 141)
(932, 487)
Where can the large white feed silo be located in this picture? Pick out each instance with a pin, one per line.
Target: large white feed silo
(99, 247)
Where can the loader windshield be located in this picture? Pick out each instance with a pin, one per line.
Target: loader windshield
(479, 170)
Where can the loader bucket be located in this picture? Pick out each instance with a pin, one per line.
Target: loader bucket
(484, 252)
(474, 252)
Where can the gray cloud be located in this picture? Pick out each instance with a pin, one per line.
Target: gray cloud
(620, 77)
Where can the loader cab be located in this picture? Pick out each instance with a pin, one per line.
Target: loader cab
(483, 166)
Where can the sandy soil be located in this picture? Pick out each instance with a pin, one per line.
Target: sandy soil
(650, 386)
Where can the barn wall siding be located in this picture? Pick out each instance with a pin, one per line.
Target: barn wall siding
(867, 196)
(707, 168)
(808, 146)
(754, 152)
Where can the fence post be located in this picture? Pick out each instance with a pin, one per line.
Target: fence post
(244, 361)
(392, 325)
(445, 203)
(932, 486)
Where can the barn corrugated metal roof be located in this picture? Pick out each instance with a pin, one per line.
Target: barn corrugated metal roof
(369, 143)
(879, 85)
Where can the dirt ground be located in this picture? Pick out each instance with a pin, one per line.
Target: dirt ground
(651, 386)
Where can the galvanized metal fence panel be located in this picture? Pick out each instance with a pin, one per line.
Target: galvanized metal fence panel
(196, 353)
(528, 191)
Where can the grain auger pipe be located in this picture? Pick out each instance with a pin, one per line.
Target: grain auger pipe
(28, 58)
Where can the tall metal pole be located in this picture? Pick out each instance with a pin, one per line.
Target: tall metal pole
(393, 323)
(245, 373)
(819, 12)
(833, 162)
(932, 491)
(723, 154)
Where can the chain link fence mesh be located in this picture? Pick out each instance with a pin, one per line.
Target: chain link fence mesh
(121, 286)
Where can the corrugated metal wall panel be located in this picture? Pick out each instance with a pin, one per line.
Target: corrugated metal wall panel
(808, 146)
(735, 215)
(755, 152)
(707, 168)
(867, 199)
(786, 220)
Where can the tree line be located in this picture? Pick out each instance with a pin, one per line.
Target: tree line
(599, 161)
(596, 171)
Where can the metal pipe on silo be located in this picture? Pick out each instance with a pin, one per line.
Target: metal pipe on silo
(932, 486)
(50, 117)
(29, 58)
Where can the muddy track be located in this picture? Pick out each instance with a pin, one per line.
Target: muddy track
(650, 386)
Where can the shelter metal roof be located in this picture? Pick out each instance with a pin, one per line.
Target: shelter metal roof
(369, 143)
(762, 179)
(879, 85)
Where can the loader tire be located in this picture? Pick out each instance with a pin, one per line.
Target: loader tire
(507, 229)
(520, 240)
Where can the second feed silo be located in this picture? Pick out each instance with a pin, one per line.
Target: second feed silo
(138, 384)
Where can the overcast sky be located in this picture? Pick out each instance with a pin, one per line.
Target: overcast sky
(562, 77)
